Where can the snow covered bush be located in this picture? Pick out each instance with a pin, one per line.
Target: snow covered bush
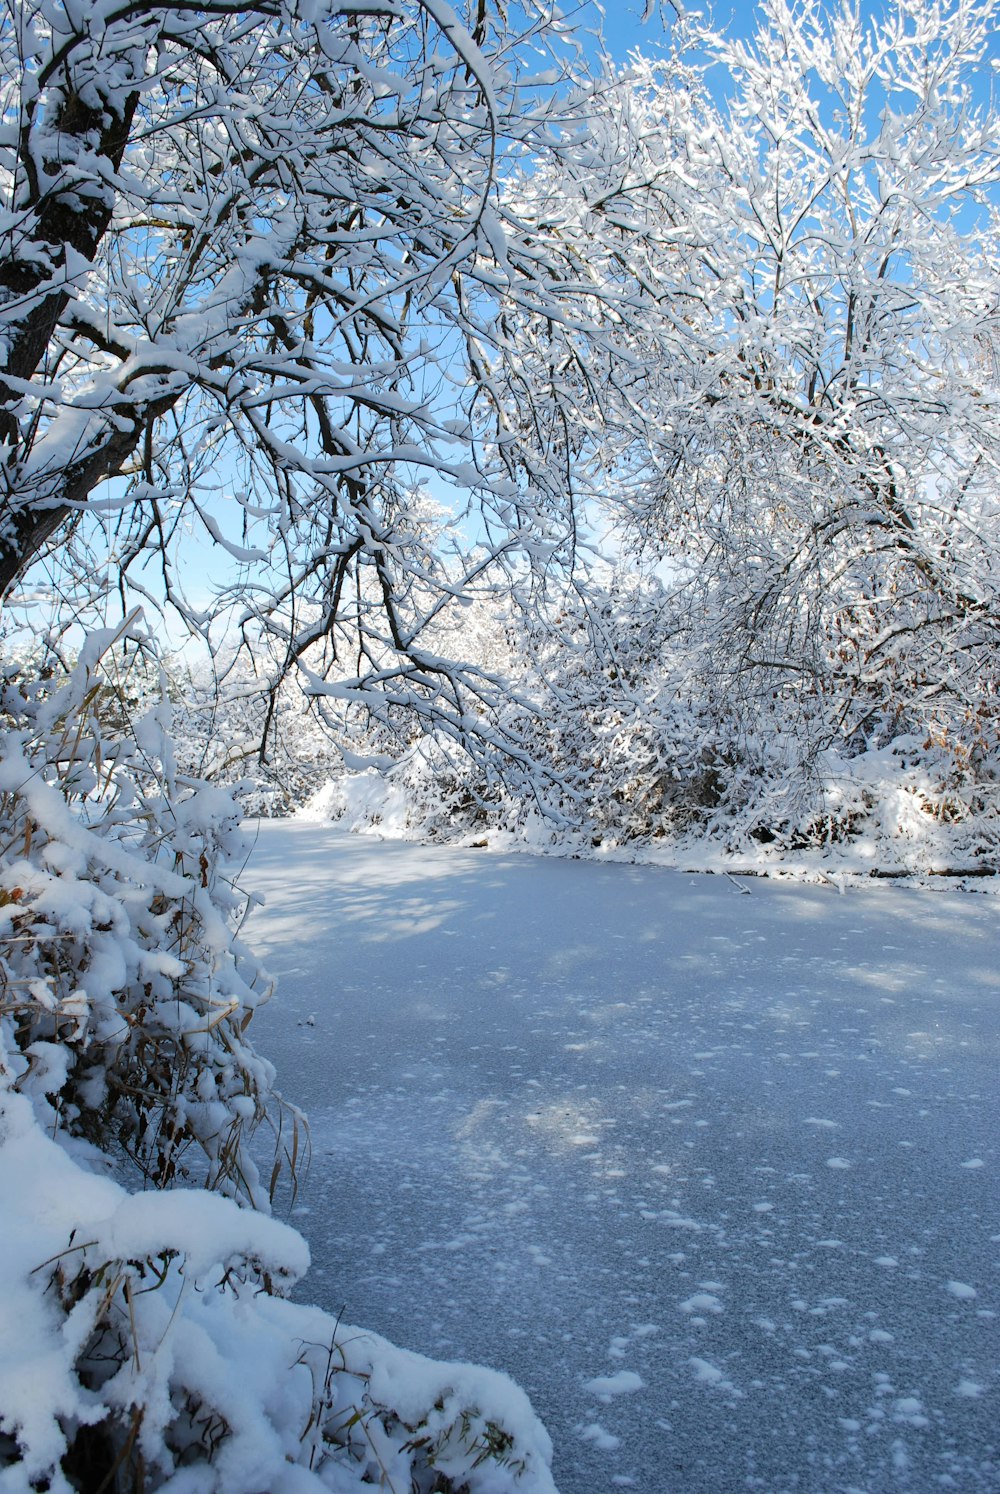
(641, 739)
(127, 994)
(144, 1344)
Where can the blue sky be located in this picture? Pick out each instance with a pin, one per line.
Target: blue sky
(624, 28)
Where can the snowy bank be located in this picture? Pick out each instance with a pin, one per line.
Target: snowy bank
(873, 818)
(136, 1327)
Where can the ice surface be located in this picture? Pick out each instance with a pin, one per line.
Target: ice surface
(549, 1100)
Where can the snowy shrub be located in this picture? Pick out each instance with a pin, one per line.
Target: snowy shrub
(127, 994)
(914, 807)
(638, 743)
(144, 1345)
(433, 792)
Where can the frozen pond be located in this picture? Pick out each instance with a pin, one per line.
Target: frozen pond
(711, 1172)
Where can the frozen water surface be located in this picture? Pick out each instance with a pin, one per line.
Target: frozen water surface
(711, 1173)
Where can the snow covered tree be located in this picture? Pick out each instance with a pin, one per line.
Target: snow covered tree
(251, 265)
(837, 474)
(805, 440)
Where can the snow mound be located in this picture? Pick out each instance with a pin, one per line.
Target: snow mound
(136, 1325)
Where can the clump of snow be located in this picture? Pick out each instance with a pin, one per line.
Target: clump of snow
(143, 1316)
(705, 1372)
(625, 1382)
(600, 1437)
(702, 1302)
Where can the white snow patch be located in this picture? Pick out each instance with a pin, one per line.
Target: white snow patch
(702, 1302)
(673, 1220)
(707, 1373)
(625, 1382)
(961, 1290)
(909, 1409)
(600, 1437)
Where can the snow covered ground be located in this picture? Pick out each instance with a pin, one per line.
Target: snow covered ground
(711, 1172)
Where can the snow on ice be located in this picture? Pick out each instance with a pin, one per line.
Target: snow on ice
(611, 1068)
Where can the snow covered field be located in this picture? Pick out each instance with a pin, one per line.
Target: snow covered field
(712, 1173)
